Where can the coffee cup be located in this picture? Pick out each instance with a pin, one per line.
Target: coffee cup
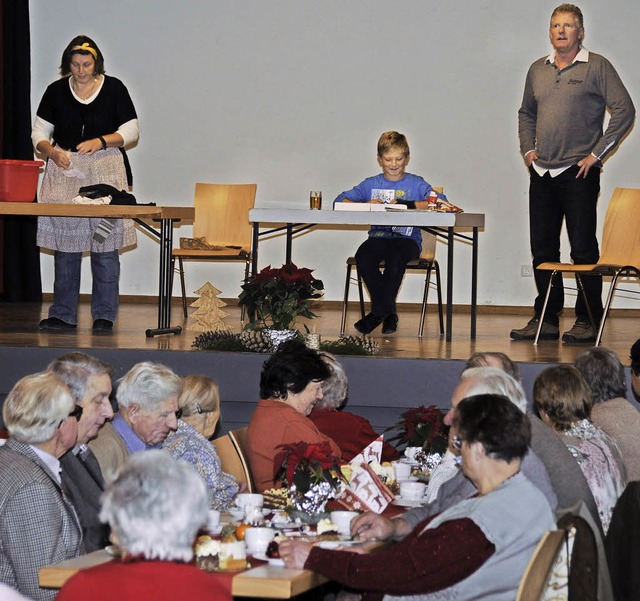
(402, 470)
(412, 491)
(246, 498)
(342, 520)
(257, 540)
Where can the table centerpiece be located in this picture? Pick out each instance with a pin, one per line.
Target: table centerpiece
(312, 474)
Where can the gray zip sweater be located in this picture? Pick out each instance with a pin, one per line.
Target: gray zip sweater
(562, 111)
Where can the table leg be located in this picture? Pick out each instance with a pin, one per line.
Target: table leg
(449, 319)
(164, 283)
(474, 283)
(254, 248)
(289, 243)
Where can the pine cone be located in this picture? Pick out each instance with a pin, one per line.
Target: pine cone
(367, 343)
(256, 341)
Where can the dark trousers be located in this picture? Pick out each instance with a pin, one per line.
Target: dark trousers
(552, 199)
(383, 286)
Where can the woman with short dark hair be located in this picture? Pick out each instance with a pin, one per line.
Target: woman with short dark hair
(290, 385)
(476, 549)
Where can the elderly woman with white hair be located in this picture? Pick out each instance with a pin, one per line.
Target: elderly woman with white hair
(351, 432)
(155, 507)
(147, 404)
(38, 524)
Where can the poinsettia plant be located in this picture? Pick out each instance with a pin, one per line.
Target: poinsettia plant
(423, 427)
(277, 297)
(305, 465)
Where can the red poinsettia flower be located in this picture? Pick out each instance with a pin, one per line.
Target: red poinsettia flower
(305, 464)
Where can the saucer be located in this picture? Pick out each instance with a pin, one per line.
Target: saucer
(409, 502)
(273, 561)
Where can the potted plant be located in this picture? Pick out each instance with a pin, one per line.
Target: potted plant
(275, 298)
(311, 473)
(425, 435)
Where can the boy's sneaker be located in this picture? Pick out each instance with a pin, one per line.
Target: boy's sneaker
(368, 323)
(582, 332)
(548, 332)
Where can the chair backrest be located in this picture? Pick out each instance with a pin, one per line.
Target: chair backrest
(428, 239)
(231, 461)
(239, 439)
(222, 213)
(621, 234)
(533, 585)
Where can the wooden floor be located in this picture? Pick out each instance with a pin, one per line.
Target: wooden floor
(19, 327)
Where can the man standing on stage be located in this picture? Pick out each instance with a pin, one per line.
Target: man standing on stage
(560, 126)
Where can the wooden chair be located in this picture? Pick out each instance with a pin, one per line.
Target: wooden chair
(425, 262)
(620, 255)
(533, 585)
(222, 219)
(232, 460)
(239, 439)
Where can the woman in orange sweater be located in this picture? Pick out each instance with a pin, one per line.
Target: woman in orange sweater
(290, 385)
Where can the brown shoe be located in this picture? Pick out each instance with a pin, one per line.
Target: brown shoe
(582, 332)
(548, 332)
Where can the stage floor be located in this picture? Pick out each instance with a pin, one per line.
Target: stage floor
(19, 328)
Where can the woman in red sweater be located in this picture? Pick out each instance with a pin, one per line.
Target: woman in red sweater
(155, 508)
(351, 432)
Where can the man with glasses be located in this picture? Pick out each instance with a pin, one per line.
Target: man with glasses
(89, 380)
(147, 404)
(38, 523)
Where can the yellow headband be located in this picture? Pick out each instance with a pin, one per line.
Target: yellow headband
(87, 48)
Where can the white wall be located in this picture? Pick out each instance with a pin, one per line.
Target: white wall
(293, 94)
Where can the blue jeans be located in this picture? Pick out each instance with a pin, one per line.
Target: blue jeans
(552, 200)
(383, 286)
(105, 293)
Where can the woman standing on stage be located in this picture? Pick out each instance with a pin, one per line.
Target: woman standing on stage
(82, 125)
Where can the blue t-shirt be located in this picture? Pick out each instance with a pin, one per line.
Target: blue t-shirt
(410, 187)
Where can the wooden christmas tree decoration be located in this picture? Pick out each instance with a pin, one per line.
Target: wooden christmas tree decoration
(208, 314)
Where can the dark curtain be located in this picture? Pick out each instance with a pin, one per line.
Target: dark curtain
(19, 255)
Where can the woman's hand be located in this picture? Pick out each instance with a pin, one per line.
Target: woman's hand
(60, 158)
(89, 146)
(294, 553)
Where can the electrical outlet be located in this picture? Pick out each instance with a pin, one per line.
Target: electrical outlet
(526, 271)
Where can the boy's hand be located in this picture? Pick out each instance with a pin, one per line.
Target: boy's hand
(376, 201)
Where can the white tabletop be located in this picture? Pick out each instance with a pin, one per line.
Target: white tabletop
(409, 217)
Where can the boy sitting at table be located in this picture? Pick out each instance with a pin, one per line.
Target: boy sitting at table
(395, 245)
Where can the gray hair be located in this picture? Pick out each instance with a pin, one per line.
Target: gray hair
(483, 359)
(492, 380)
(76, 368)
(155, 506)
(35, 407)
(147, 385)
(603, 373)
(335, 387)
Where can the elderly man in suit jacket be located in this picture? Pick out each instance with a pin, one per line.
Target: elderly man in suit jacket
(38, 524)
(89, 379)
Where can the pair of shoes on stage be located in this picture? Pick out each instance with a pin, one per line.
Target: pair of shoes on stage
(102, 326)
(54, 324)
(371, 321)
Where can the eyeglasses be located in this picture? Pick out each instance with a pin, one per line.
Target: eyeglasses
(456, 442)
(199, 410)
(77, 412)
